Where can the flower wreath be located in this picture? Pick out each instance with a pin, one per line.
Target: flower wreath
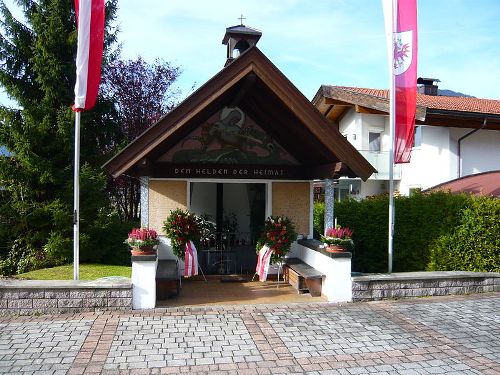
(279, 234)
(181, 227)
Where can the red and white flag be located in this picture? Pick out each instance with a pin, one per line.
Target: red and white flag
(90, 25)
(190, 260)
(263, 261)
(402, 21)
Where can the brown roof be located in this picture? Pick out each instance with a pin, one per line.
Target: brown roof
(487, 183)
(254, 84)
(334, 101)
(449, 103)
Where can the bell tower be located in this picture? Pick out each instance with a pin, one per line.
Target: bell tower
(238, 39)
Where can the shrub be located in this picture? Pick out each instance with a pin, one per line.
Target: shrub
(474, 245)
(105, 243)
(319, 219)
(420, 220)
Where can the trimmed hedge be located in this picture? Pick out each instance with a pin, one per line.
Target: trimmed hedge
(474, 245)
(424, 223)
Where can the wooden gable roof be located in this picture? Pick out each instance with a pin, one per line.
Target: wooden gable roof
(255, 85)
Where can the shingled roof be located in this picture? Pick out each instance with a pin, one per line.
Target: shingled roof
(455, 111)
(449, 103)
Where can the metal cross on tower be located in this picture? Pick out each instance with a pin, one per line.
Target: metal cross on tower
(241, 18)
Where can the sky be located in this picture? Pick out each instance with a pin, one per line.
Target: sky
(335, 42)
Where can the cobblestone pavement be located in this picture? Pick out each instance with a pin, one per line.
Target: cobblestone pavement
(439, 335)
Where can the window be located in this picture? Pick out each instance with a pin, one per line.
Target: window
(374, 141)
(417, 137)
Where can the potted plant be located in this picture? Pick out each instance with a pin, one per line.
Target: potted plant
(279, 234)
(338, 239)
(142, 241)
(181, 227)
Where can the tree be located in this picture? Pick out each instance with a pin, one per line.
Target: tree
(141, 93)
(37, 70)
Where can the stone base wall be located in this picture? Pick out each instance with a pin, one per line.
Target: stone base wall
(366, 289)
(29, 300)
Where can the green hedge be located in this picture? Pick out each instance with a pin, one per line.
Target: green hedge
(424, 224)
(474, 245)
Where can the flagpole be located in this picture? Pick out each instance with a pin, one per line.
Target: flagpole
(392, 131)
(76, 197)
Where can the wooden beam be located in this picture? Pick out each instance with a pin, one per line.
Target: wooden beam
(459, 123)
(332, 170)
(331, 101)
(336, 113)
(247, 85)
(362, 109)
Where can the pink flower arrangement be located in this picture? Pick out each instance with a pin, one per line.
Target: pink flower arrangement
(141, 237)
(339, 236)
(339, 232)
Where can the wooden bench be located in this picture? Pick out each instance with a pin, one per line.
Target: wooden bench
(303, 277)
(168, 281)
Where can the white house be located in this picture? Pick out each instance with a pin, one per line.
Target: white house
(454, 136)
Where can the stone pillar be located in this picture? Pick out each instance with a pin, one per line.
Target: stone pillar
(144, 181)
(329, 204)
(144, 281)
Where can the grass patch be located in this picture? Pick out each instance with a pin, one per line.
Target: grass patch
(87, 272)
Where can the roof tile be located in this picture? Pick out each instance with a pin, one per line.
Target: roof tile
(448, 103)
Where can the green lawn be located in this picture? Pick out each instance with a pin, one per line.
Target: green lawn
(87, 272)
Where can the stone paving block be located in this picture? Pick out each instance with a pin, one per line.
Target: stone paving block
(44, 336)
(447, 335)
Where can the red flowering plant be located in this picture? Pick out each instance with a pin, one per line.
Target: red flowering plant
(279, 234)
(181, 227)
(339, 236)
(142, 237)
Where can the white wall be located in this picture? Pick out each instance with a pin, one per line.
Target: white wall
(430, 163)
(350, 126)
(480, 151)
(337, 284)
(434, 162)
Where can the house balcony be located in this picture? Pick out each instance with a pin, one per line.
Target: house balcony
(380, 161)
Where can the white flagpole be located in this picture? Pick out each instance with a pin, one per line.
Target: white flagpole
(390, 15)
(76, 193)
